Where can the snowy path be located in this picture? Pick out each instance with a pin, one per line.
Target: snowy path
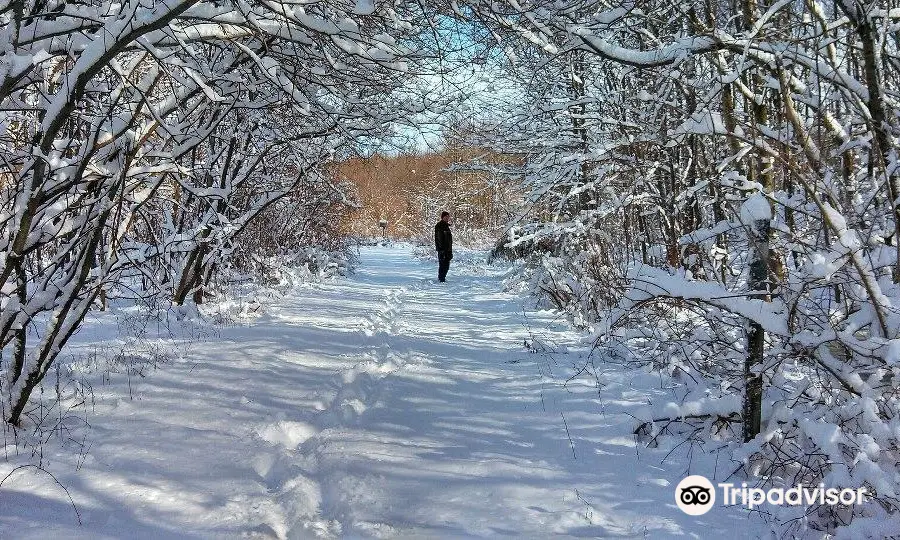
(381, 405)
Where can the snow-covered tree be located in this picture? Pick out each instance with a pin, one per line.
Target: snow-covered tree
(748, 151)
(140, 139)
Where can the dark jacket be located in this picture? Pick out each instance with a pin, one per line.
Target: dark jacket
(443, 238)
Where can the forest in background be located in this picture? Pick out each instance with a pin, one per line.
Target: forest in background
(411, 190)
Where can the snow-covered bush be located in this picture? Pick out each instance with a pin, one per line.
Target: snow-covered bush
(298, 233)
(735, 168)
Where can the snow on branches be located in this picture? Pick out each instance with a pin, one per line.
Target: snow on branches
(715, 192)
(139, 140)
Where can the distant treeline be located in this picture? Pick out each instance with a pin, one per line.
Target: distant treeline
(411, 190)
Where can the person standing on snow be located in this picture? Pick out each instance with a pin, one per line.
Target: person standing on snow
(443, 243)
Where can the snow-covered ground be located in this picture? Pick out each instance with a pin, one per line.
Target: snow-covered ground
(381, 405)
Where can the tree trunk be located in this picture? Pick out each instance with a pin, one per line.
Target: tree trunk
(21, 334)
(760, 230)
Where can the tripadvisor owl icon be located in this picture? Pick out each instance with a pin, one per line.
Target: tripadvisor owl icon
(695, 495)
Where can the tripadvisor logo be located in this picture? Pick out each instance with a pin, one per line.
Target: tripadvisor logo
(695, 495)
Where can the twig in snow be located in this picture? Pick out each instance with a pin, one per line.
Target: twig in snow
(572, 444)
(58, 483)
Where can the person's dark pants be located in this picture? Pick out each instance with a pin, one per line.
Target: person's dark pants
(443, 266)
